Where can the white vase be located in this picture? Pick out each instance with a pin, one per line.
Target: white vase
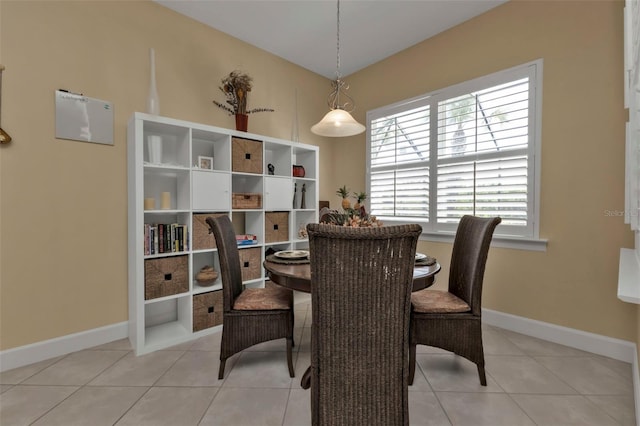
(154, 145)
(153, 101)
(294, 126)
(154, 142)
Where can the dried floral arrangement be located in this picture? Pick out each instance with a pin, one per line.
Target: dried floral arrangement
(236, 87)
(355, 217)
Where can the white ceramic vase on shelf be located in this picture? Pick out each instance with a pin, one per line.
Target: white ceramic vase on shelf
(294, 126)
(153, 101)
(154, 142)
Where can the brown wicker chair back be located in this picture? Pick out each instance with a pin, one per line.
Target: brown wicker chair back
(456, 330)
(230, 270)
(361, 280)
(469, 258)
(248, 325)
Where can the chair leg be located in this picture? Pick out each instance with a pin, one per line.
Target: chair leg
(221, 370)
(483, 377)
(293, 327)
(305, 383)
(412, 362)
(290, 358)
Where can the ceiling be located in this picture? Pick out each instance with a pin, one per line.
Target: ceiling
(305, 31)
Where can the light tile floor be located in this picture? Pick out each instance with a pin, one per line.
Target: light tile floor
(530, 382)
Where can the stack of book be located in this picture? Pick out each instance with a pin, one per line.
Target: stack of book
(246, 239)
(162, 238)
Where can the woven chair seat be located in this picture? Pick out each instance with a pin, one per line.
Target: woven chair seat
(262, 299)
(437, 302)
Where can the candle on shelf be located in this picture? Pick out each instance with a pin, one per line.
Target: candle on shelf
(165, 201)
(149, 203)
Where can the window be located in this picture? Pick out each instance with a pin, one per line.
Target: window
(467, 149)
(632, 101)
(629, 276)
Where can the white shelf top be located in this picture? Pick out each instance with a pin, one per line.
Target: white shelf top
(629, 276)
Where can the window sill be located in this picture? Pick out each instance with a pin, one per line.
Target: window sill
(629, 276)
(531, 244)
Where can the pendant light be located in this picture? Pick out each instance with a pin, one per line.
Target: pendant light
(338, 122)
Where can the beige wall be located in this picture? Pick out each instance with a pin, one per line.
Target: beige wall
(63, 204)
(573, 283)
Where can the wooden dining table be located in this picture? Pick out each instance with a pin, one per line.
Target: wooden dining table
(298, 276)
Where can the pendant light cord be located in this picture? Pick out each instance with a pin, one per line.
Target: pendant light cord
(338, 44)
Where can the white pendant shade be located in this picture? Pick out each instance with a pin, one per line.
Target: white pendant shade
(337, 123)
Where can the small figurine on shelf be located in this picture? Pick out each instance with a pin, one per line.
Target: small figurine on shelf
(295, 189)
(303, 203)
(302, 231)
(271, 168)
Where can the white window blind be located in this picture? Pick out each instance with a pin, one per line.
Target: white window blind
(466, 149)
(629, 268)
(632, 101)
(399, 183)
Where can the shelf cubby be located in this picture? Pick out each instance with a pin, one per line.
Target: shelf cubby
(211, 144)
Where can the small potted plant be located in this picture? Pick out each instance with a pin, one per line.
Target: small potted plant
(360, 197)
(236, 87)
(344, 193)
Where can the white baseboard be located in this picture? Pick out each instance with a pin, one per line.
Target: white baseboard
(621, 350)
(614, 348)
(36, 352)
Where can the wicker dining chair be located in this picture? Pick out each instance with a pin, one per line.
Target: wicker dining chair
(252, 315)
(361, 281)
(451, 320)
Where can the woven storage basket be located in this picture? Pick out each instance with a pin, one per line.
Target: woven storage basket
(202, 239)
(166, 276)
(207, 310)
(276, 227)
(246, 200)
(246, 155)
(250, 263)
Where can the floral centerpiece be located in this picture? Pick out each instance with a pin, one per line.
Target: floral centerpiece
(353, 217)
(236, 87)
